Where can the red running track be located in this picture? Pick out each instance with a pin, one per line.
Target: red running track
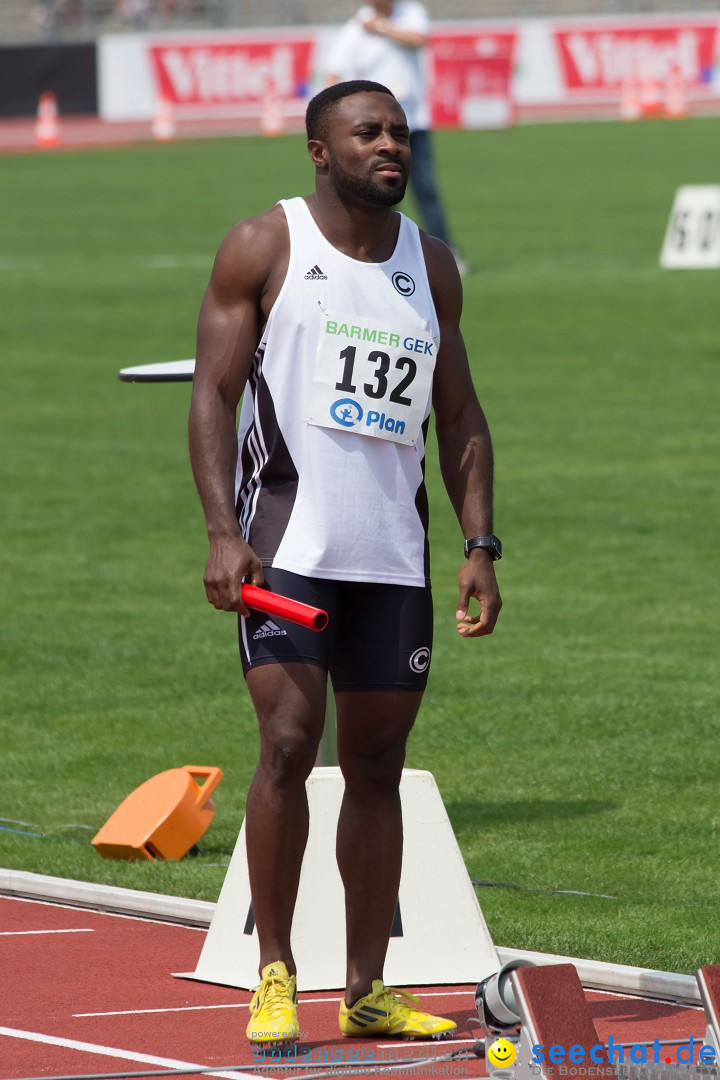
(88, 132)
(86, 992)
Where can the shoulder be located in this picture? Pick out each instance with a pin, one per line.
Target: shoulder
(256, 240)
(251, 249)
(443, 276)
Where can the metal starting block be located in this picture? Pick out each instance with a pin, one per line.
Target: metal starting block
(708, 980)
(553, 1012)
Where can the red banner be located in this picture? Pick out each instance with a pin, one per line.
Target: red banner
(605, 58)
(467, 66)
(241, 73)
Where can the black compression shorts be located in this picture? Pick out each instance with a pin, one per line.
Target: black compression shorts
(379, 637)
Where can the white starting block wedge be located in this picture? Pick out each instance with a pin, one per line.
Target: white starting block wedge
(439, 935)
(692, 237)
(167, 371)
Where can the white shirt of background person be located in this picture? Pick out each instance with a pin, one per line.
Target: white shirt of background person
(357, 53)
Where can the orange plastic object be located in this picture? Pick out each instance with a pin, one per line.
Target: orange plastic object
(163, 818)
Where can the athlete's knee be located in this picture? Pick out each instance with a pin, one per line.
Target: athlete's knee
(287, 756)
(378, 773)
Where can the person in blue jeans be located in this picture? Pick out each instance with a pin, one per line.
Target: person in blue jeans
(384, 42)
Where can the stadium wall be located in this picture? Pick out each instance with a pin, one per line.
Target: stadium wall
(69, 71)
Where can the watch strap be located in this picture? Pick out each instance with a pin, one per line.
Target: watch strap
(490, 543)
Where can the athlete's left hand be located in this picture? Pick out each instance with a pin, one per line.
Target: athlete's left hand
(477, 579)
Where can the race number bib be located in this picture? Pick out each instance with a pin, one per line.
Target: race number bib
(372, 378)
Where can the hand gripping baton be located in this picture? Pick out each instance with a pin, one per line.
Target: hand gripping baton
(284, 608)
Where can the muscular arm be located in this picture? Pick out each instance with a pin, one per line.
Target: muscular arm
(410, 39)
(228, 333)
(464, 444)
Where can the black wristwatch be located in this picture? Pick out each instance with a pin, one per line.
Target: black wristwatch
(491, 544)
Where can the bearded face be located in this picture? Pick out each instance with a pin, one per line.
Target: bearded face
(368, 150)
(376, 182)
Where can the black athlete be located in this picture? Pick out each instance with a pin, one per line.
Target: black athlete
(359, 144)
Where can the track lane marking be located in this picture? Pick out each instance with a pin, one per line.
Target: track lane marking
(654, 1000)
(79, 907)
(238, 1005)
(171, 1009)
(176, 262)
(116, 1052)
(20, 933)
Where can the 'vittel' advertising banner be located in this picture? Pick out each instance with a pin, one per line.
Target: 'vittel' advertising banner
(481, 73)
(468, 68)
(240, 75)
(604, 58)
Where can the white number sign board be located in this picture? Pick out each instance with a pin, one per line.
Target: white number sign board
(692, 238)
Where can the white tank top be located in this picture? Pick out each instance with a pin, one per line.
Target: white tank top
(330, 474)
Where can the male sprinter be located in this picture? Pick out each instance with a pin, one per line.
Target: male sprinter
(339, 320)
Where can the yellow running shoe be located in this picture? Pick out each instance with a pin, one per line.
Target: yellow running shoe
(273, 1009)
(382, 1012)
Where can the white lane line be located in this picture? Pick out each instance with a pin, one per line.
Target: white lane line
(177, 1009)
(20, 933)
(241, 1005)
(655, 1000)
(150, 262)
(422, 994)
(114, 1052)
(99, 911)
(19, 264)
(447, 993)
(439, 1043)
(413, 1048)
(176, 262)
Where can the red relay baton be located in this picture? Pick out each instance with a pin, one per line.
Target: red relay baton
(284, 608)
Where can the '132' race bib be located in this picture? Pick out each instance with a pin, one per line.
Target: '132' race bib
(372, 378)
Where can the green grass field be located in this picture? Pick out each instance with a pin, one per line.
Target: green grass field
(575, 749)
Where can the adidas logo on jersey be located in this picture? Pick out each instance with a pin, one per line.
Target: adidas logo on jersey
(315, 274)
(269, 629)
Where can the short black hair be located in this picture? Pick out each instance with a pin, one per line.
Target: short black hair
(322, 104)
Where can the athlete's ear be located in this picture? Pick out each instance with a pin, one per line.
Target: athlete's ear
(317, 149)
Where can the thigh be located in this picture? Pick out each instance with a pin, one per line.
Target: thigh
(383, 638)
(372, 730)
(289, 701)
(265, 639)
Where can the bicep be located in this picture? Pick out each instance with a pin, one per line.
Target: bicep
(453, 389)
(228, 327)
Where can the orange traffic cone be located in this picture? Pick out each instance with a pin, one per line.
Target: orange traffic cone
(629, 101)
(675, 95)
(47, 125)
(650, 103)
(271, 118)
(164, 127)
